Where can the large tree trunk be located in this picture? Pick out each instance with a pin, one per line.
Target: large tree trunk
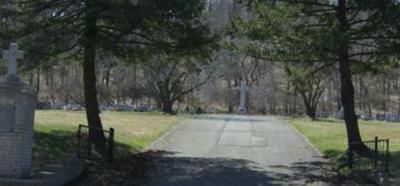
(347, 94)
(347, 88)
(89, 79)
(167, 106)
(311, 108)
(312, 112)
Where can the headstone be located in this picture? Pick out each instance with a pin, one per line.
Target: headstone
(392, 118)
(323, 114)
(380, 117)
(17, 108)
(366, 117)
(243, 97)
(340, 114)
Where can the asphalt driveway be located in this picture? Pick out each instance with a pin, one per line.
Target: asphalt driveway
(233, 150)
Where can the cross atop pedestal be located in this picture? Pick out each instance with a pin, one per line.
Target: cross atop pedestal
(11, 56)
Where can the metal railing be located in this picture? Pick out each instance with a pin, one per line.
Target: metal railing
(86, 148)
(370, 155)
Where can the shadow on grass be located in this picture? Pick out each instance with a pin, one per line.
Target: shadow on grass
(363, 168)
(52, 147)
(395, 163)
(339, 157)
(57, 146)
(165, 168)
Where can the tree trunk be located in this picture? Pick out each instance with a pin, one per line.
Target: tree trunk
(384, 92)
(134, 82)
(38, 81)
(273, 107)
(398, 107)
(287, 100)
(347, 88)
(52, 93)
(31, 77)
(107, 78)
(64, 74)
(89, 79)
(311, 110)
(167, 106)
(347, 93)
(230, 108)
(229, 97)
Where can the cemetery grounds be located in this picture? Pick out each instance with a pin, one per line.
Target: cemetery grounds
(329, 137)
(55, 134)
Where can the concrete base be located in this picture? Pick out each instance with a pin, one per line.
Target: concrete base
(52, 175)
(17, 110)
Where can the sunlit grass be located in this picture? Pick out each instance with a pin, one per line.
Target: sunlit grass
(55, 131)
(329, 136)
(136, 129)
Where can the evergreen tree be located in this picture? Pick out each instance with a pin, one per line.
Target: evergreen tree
(129, 29)
(353, 35)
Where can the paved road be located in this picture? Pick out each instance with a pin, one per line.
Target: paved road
(235, 150)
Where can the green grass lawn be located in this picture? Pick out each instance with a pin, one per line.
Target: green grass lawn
(329, 136)
(55, 131)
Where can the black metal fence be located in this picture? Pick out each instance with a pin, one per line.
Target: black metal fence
(374, 157)
(86, 148)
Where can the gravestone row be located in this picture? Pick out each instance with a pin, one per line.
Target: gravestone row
(388, 117)
(379, 117)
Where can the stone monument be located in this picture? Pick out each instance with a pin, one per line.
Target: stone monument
(17, 110)
(243, 97)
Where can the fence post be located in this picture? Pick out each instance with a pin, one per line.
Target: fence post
(376, 153)
(89, 150)
(350, 157)
(78, 136)
(111, 145)
(387, 156)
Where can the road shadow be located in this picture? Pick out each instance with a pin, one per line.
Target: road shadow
(167, 169)
(190, 171)
(310, 172)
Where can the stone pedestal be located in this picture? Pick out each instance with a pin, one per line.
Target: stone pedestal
(17, 108)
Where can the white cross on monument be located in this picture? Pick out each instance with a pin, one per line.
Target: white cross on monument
(243, 89)
(11, 56)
